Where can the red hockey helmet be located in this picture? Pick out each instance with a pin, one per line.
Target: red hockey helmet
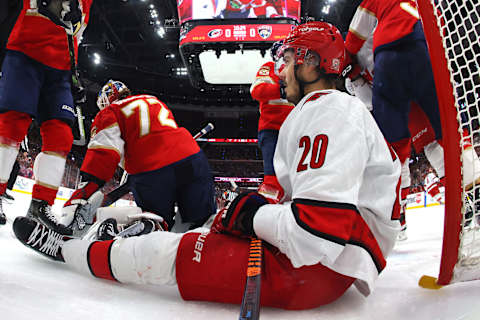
(320, 37)
(111, 92)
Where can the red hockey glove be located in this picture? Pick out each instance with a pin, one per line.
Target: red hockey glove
(237, 218)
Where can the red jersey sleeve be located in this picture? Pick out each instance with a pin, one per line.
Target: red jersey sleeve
(266, 86)
(266, 90)
(106, 146)
(362, 25)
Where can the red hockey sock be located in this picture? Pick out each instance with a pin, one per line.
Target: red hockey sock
(402, 148)
(13, 126)
(99, 259)
(3, 188)
(44, 193)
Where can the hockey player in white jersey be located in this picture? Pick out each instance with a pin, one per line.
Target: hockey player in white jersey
(432, 187)
(335, 229)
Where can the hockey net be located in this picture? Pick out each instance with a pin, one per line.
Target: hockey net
(452, 29)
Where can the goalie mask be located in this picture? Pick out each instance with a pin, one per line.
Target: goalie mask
(316, 42)
(112, 91)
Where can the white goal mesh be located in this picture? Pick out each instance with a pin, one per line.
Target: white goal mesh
(458, 24)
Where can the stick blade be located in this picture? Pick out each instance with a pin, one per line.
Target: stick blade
(429, 282)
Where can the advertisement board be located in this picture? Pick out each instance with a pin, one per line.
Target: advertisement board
(237, 9)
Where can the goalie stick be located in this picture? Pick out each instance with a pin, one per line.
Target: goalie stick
(250, 308)
(124, 188)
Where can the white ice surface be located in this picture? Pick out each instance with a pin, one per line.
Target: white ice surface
(33, 287)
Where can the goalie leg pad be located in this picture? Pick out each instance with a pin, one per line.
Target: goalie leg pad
(120, 214)
(283, 286)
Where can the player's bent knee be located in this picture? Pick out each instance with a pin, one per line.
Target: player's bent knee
(14, 126)
(283, 286)
(57, 136)
(148, 259)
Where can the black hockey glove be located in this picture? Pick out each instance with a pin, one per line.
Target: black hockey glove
(65, 13)
(237, 219)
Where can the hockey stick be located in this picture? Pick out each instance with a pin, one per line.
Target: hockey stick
(250, 308)
(79, 90)
(209, 127)
(124, 188)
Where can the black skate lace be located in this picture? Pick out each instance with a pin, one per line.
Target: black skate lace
(52, 243)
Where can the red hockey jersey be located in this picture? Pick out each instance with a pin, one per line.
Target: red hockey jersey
(141, 131)
(41, 39)
(266, 90)
(393, 20)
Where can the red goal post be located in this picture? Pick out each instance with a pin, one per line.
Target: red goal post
(452, 29)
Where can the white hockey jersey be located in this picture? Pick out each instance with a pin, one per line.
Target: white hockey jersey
(340, 180)
(432, 186)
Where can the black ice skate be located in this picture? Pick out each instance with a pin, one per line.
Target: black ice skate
(107, 229)
(3, 217)
(42, 211)
(39, 237)
(8, 198)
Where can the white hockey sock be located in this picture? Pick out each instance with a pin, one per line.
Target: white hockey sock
(405, 174)
(8, 154)
(48, 169)
(75, 255)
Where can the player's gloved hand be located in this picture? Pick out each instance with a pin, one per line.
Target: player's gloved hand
(79, 95)
(362, 89)
(71, 16)
(352, 69)
(271, 189)
(237, 218)
(65, 13)
(79, 211)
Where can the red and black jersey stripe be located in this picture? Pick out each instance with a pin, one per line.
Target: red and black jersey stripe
(340, 223)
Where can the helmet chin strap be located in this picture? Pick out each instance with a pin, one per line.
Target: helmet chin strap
(302, 83)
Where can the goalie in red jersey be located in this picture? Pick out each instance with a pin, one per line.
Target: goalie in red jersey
(164, 162)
